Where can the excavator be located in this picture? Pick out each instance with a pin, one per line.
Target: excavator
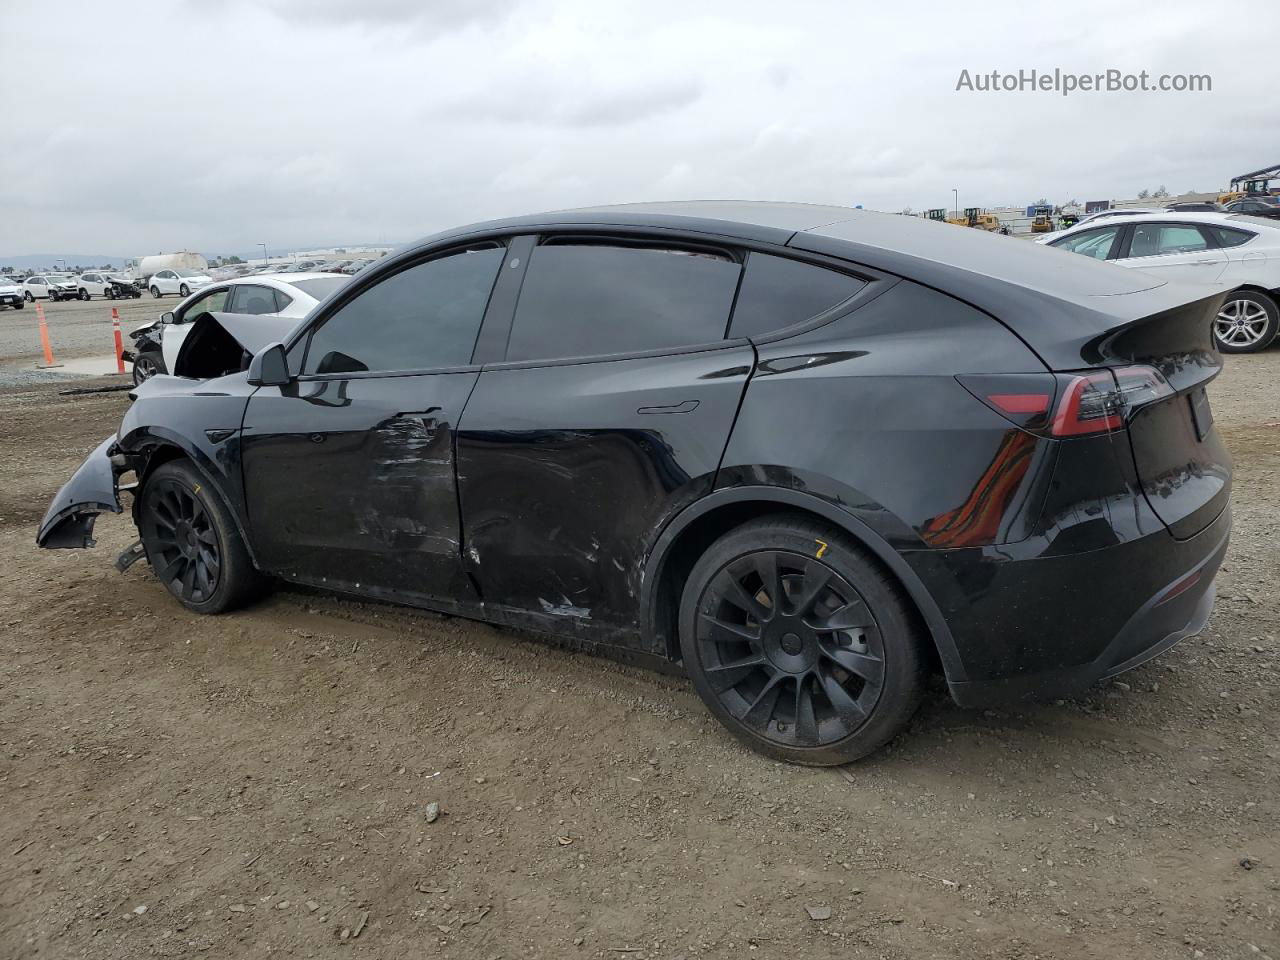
(1253, 184)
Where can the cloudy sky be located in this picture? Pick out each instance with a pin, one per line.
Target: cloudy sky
(216, 124)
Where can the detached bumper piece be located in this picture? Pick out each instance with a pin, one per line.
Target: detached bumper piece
(68, 523)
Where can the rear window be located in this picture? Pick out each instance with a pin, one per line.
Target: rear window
(777, 292)
(320, 287)
(1227, 237)
(582, 299)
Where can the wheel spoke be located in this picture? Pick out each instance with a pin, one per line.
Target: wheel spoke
(806, 718)
(188, 579)
(869, 668)
(170, 568)
(207, 535)
(816, 579)
(845, 706)
(735, 593)
(771, 577)
(760, 709)
(852, 615)
(730, 632)
(725, 676)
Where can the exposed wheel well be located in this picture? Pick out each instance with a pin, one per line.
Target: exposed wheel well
(693, 541)
(1272, 295)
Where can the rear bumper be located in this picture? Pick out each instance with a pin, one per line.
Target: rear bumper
(1051, 627)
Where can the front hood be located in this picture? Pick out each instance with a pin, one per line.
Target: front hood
(218, 342)
(10, 290)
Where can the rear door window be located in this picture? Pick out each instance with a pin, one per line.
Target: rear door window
(777, 292)
(253, 298)
(583, 298)
(1161, 239)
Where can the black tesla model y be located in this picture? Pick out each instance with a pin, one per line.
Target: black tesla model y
(805, 454)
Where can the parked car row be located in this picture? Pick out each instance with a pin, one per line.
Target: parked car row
(1242, 251)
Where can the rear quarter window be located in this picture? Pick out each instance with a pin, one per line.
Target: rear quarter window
(1229, 237)
(777, 293)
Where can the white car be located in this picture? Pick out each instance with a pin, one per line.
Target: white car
(98, 283)
(1240, 251)
(11, 294)
(182, 282)
(292, 295)
(52, 286)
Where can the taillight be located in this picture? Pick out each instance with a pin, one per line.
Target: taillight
(1070, 404)
(1087, 405)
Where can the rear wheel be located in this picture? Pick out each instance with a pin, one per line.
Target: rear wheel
(799, 644)
(1247, 322)
(155, 292)
(192, 542)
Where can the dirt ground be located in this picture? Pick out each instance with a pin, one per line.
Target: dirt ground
(258, 784)
(77, 328)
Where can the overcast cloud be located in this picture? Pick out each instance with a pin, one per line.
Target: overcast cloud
(215, 125)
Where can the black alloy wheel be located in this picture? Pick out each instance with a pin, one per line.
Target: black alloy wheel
(28, 296)
(799, 643)
(192, 541)
(186, 556)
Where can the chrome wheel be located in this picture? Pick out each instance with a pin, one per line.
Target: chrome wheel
(1241, 323)
(790, 648)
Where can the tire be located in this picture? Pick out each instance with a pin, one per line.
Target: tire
(192, 542)
(184, 291)
(155, 292)
(847, 642)
(1247, 322)
(109, 293)
(26, 295)
(146, 365)
(84, 294)
(19, 305)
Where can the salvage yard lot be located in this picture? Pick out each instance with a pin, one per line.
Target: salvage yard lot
(259, 782)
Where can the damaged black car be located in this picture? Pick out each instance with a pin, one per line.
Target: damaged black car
(806, 455)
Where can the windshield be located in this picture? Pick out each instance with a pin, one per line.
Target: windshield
(320, 287)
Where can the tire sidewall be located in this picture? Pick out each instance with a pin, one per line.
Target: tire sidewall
(904, 660)
(1273, 322)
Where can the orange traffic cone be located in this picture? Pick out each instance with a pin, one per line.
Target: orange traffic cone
(115, 330)
(44, 341)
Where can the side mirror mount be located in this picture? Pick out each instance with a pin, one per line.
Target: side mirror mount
(270, 367)
(167, 317)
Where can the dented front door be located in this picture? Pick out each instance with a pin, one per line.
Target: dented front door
(350, 483)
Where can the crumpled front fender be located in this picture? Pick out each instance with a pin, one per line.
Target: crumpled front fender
(68, 523)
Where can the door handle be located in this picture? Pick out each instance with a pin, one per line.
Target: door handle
(688, 406)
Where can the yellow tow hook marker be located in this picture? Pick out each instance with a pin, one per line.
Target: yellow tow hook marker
(197, 490)
(822, 548)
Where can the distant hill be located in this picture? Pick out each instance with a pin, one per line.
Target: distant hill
(48, 261)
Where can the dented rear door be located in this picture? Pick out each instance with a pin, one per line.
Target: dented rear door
(349, 483)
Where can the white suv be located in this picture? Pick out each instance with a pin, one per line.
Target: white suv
(52, 286)
(99, 284)
(181, 282)
(11, 294)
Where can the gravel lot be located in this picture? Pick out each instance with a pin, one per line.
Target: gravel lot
(77, 328)
(259, 783)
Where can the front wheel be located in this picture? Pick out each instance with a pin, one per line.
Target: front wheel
(1246, 323)
(184, 290)
(84, 294)
(146, 365)
(28, 297)
(19, 305)
(799, 643)
(192, 542)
